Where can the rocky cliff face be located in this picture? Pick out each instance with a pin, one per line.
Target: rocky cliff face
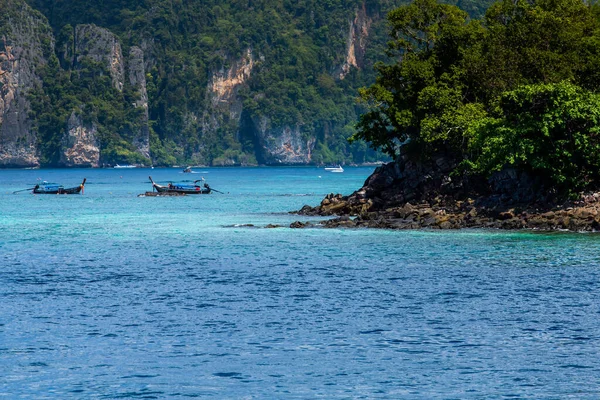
(282, 145)
(26, 47)
(21, 54)
(273, 144)
(225, 83)
(223, 87)
(102, 46)
(86, 96)
(81, 141)
(80, 146)
(224, 108)
(137, 79)
(356, 42)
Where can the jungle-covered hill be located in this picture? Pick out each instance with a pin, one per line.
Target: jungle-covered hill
(89, 83)
(492, 122)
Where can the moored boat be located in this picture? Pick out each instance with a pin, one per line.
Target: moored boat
(55, 188)
(184, 188)
(335, 169)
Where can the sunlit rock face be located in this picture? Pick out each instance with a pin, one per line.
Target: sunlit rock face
(80, 144)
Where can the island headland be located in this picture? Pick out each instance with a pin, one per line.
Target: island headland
(415, 194)
(489, 127)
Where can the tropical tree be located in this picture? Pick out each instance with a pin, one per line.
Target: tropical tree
(516, 88)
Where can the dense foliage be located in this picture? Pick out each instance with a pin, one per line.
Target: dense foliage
(552, 129)
(300, 45)
(518, 87)
(86, 93)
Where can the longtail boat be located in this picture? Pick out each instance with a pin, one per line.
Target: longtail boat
(184, 188)
(54, 188)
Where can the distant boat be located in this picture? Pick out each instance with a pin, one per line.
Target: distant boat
(189, 170)
(183, 188)
(124, 166)
(335, 169)
(55, 188)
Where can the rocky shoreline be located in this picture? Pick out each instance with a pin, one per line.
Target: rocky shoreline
(580, 216)
(412, 194)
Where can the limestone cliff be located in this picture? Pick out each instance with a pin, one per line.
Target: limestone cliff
(224, 108)
(172, 92)
(137, 79)
(225, 83)
(102, 46)
(80, 146)
(356, 42)
(282, 145)
(271, 144)
(21, 54)
(83, 143)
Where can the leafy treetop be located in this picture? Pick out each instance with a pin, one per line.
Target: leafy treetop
(517, 87)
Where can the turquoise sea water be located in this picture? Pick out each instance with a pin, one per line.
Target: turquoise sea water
(110, 295)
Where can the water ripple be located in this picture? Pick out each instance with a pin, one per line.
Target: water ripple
(162, 301)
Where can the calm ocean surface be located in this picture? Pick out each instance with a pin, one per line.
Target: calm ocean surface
(110, 295)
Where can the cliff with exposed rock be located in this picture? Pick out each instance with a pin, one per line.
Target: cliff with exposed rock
(222, 116)
(356, 46)
(281, 145)
(86, 83)
(80, 145)
(100, 45)
(21, 57)
(137, 79)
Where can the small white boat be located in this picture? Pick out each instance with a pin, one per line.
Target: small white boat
(335, 169)
(124, 166)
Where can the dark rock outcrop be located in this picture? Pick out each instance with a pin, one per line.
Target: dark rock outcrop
(412, 194)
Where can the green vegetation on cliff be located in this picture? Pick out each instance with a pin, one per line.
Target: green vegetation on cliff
(86, 92)
(304, 78)
(297, 48)
(518, 87)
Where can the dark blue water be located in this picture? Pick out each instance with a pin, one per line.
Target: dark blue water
(109, 295)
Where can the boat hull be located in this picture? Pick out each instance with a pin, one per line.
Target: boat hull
(73, 190)
(174, 188)
(166, 189)
(41, 189)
